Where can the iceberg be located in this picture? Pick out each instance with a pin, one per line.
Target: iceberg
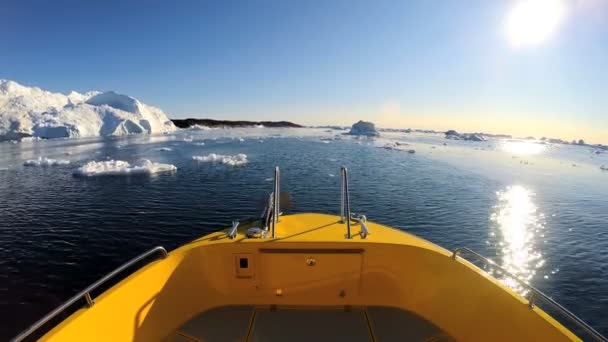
(119, 167)
(27, 112)
(235, 160)
(453, 135)
(364, 128)
(45, 162)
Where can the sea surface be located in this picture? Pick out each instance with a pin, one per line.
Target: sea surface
(539, 210)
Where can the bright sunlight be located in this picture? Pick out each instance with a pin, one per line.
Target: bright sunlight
(532, 22)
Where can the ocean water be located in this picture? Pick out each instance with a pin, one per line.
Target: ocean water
(541, 211)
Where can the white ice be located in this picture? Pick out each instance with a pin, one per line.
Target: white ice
(45, 162)
(119, 167)
(32, 112)
(234, 160)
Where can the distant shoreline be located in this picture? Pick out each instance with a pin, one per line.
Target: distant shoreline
(186, 123)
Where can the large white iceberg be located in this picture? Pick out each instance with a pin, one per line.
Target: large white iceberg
(119, 167)
(364, 128)
(235, 160)
(33, 112)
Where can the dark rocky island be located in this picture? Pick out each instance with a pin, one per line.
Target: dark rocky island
(186, 123)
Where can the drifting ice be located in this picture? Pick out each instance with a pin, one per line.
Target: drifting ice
(119, 167)
(44, 162)
(235, 160)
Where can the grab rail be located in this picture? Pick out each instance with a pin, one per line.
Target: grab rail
(275, 202)
(534, 294)
(345, 211)
(86, 293)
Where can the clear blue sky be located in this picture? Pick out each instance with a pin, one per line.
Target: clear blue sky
(425, 64)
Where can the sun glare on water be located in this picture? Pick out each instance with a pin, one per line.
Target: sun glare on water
(517, 226)
(523, 148)
(532, 22)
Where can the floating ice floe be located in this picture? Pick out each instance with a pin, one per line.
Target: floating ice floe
(120, 168)
(199, 128)
(45, 162)
(165, 149)
(364, 128)
(235, 160)
(453, 135)
(396, 146)
(604, 168)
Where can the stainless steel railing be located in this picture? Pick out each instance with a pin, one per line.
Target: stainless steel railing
(345, 209)
(86, 293)
(345, 203)
(535, 294)
(276, 205)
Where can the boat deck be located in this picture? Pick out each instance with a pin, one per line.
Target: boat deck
(266, 323)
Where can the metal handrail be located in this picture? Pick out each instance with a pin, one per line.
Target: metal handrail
(345, 201)
(86, 293)
(534, 294)
(275, 208)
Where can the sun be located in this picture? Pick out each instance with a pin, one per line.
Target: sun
(532, 22)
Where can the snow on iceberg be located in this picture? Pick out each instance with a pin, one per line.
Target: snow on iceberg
(119, 167)
(235, 160)
(45, 162)
(364, 128)
(33, 112)
(453, 135)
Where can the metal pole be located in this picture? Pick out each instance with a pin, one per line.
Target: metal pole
(275, 215)
(278, 192)
(347, 203)
(342, 195)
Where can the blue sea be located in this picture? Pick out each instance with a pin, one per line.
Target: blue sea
(539, 210)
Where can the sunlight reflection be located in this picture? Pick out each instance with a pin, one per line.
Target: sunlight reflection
(523, 147)
(517, 222)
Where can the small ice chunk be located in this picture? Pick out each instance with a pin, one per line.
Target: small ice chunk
(45, 162)
(165, 149)
(199, 144)
(604, 168)
(119, 167)
(234, 160)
